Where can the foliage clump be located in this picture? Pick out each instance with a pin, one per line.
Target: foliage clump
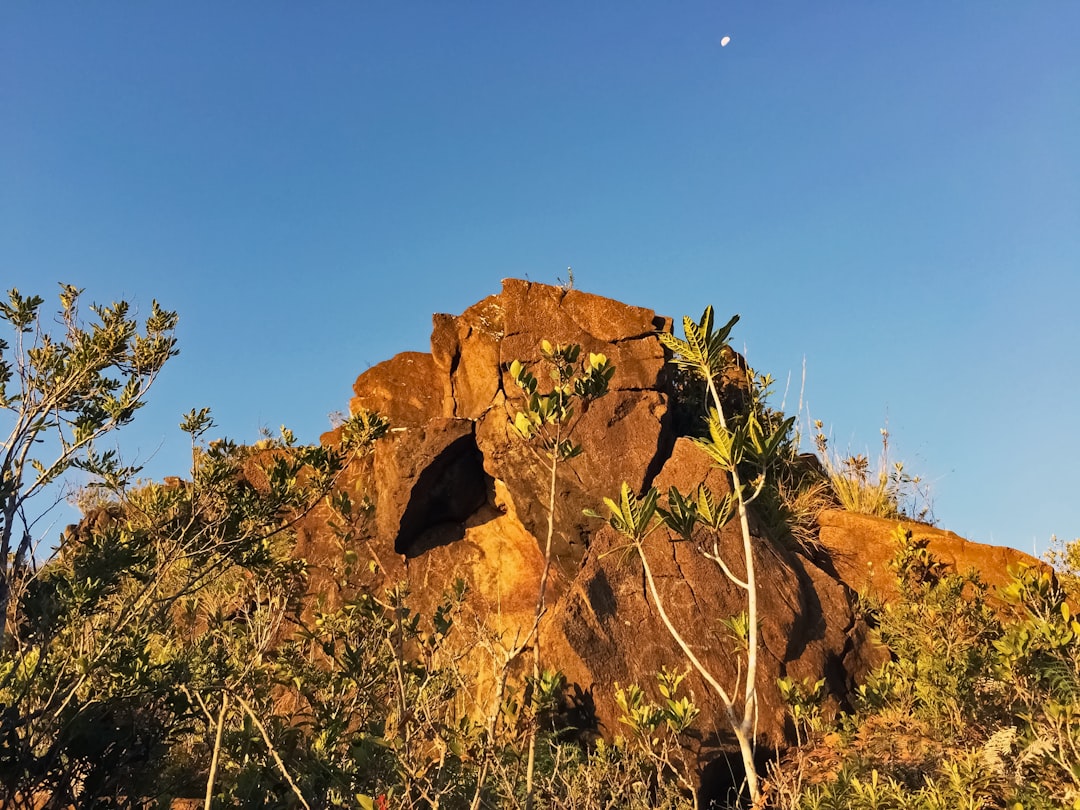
(977, 706)
(171, 648)
(887, 491)
(64, 386)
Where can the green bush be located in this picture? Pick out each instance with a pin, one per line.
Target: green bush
(978, 705)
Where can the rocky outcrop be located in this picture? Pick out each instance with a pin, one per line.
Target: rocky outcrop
(458, 494)
(622, 435)
(607, 630)
(859, 548)
(406, 389)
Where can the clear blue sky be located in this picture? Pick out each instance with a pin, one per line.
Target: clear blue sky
(890, 191)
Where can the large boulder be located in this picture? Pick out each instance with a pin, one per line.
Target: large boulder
(607, 628)
(623, 435)
(459, 495)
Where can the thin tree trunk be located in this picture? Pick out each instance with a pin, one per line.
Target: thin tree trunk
(273, 751)
(5, 598)
(6, 569)
(744, 730)
(212, 776)
(541, 599)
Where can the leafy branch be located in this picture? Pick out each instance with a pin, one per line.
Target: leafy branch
(548, 420)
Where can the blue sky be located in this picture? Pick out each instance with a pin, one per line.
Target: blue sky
(888, 191)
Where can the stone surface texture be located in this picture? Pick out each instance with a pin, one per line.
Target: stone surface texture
(860, 547)
(458, 494)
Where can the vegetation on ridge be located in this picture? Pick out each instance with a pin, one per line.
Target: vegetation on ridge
(978, 705)
(171, 647)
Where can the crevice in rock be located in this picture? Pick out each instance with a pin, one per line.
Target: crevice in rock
(577, 476)
(628, 338)
(809, 624)
(665, 446)
(449, 490)
(622, 410)
(682, 576)
(455, 361)
(600, 596)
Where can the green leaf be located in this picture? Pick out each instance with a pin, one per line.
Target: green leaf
(681, 515)
(523, 425)
(679, 348)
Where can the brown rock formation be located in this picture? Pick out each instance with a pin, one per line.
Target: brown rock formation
(860, 547)
(606, 629)
(401, 389)
(459, 494)
(622, 434)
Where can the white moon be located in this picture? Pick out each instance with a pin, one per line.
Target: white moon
(724, 42)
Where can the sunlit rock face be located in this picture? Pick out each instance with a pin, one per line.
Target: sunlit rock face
(859, 548)
(457, 494)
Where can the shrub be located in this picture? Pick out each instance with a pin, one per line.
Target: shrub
(978, 706)
(887, 491)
